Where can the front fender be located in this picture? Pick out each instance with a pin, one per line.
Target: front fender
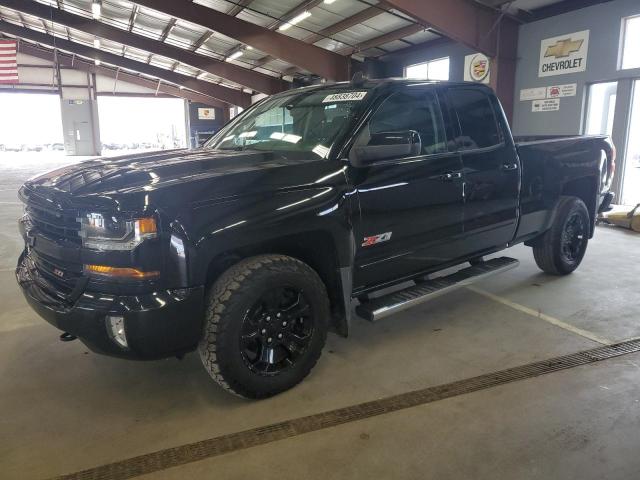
(232, 226)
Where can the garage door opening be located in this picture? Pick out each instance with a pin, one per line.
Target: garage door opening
(631, 185)
(138, 124)
(30, 123)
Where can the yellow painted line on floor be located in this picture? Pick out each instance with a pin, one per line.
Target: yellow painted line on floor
(541, 316)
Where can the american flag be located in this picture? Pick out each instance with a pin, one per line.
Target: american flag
(8, 61)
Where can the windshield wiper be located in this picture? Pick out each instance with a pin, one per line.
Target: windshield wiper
(236, 149)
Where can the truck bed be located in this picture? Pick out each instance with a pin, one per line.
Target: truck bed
(554, 165)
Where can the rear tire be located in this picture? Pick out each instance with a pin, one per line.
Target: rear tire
(561, 249)
(266, 323)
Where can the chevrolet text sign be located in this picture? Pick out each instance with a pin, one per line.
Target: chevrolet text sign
(564, 54)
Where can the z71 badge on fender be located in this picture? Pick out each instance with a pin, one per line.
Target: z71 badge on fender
(383, 237)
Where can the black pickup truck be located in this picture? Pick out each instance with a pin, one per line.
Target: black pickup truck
(253, 247)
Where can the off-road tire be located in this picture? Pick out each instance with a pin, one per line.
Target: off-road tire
(228, 300)
(547, 250)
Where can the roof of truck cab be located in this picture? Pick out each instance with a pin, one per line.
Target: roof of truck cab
(379, 83)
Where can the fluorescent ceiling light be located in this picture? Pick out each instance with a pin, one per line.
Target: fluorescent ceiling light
(249, 134)
(96, 9)
(97, 62)
(96, 43)
(329, 2)
(321, 151)
(294, 20)
(286, 137)
(234, 55)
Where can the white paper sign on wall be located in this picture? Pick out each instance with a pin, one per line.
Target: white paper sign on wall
(567, 90)
(564, 54)
(548, 105)
(533, 94)
(477, 68)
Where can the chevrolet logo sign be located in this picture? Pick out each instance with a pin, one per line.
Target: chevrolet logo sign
(563, 48)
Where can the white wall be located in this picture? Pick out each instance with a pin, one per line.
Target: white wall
(603, 22)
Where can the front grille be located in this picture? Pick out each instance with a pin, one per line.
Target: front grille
(43, 273)
(60, 225)
(62, 278)
(45, 218)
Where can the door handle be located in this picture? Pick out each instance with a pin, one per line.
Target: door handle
(509, 166)
(450, 176)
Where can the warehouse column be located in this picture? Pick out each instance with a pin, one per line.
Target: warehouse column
(79, 107)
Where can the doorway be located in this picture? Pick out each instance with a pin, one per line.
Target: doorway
(135, 124)
(631, 181)
(600, 108)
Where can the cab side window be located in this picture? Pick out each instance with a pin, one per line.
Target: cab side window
(477, 119)
(404, 111)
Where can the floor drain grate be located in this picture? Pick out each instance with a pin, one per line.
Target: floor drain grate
(212, 447)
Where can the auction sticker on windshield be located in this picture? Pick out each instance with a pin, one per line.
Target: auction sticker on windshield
(344, 97)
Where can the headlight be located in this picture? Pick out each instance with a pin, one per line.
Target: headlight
(107, 232)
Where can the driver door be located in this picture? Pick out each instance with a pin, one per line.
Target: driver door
(411, 208)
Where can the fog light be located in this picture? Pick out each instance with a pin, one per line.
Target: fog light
(115, 327)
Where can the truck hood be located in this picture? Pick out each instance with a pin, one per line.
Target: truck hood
(178, 177)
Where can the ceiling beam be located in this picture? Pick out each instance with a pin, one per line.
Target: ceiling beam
(322, 62)
(559, 8)
(469, 23)
(132, 18)
(344, 24)
(382, 39)
(201, 41)
(478, 27)
(167, 30)
(243, 76)
(238, 7)
(503, 66)
(362, 16)
(495, 3)
(224, 94)
(294, 12)
(67, 61)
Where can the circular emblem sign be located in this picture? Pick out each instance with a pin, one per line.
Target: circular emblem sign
(479, 67)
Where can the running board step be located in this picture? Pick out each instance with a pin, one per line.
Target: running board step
(381, 307)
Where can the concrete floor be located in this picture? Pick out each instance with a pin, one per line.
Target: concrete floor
(64, 409)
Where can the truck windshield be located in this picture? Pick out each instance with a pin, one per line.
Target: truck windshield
(304, 122)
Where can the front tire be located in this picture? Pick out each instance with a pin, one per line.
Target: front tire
(561, 249)
(266, 323)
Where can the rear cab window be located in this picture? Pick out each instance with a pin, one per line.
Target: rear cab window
(476, 117)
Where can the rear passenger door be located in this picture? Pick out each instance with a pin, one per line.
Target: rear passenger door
(490, 169)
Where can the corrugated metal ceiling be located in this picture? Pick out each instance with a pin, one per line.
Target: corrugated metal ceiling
(267, 13)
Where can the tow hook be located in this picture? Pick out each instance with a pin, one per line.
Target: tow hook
(67, 337)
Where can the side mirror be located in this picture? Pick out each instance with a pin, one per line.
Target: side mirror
(385, 146)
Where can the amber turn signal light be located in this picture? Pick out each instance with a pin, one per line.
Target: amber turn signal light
(120, 272)
(146, 225)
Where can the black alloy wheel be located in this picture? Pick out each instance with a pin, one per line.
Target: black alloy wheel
(276, 330)
(266, 322)
(560, 250)
(573, 237)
